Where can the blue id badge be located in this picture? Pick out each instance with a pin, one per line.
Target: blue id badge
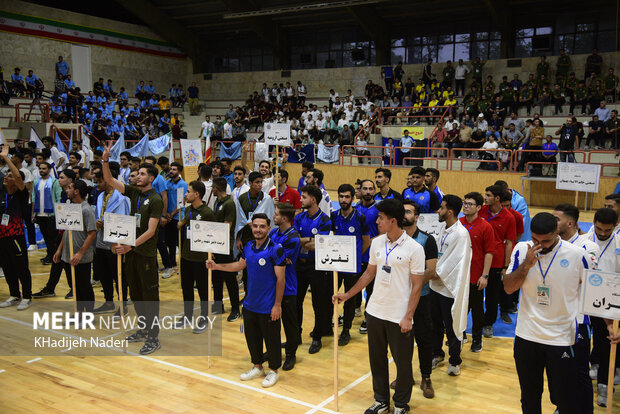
(387, 269)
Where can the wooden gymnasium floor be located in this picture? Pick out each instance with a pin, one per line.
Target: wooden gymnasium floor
(115, 384)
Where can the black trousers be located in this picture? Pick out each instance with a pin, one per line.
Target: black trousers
(230, 278)
(422, 332)
(47, 225)
(14, 262)
(290, 322)
(602, 345)
(105, 270)
(143, 281)
(441, 314)
(460, 87)
(349, 280)
(162, 248)
(84, 294)
(492, 294)
(259, 328)
(56, 269)
(32, 236)
(531, 360)
(172, 240)
(476, 299)
(359, 297)
(381, 334)
(194, 272)
(321, 285)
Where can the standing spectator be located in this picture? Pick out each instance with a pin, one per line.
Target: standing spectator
(460, 72)
(542, 69)
(387, 73)
(593, 64)
(580, 97)
(406, 143)
(477, 71)
(448, 75)
(569, 135)
(562, 67)
(302, 91)
(612, 128)
(62, 68)
(427, 74)
(437, 139)
(192, 93)
(610, 83)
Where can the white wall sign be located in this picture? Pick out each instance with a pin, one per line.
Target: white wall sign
(68, 216)
(119, 228)
(208, 236)
(600, 295)
(277, 134)
(335, 253)
(578, 177)
(430, 223)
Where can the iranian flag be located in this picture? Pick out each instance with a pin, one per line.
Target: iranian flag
(207, 149)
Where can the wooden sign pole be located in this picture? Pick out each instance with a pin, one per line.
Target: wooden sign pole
(179, 257)
(275, 178)
(73, 287)
(611, 373)
(335, 281)
(209, 301)
(119, 285)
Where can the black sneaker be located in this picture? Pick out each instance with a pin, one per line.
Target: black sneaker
(69, 295)
(217, 308)
(105, 308)
(344, 338)
(505, 317)
(378, 407)
(476, 345)
(46, 261)
(363, 327)
(200, 327)
(289, 363)
(234, 315)
(151, 345)
(43, 293)
(137, 336)
(315, 346)
(340, 321)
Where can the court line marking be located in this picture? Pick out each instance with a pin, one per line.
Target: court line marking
(191, 370)
(34, 360)
(2, 370)
(342, 391)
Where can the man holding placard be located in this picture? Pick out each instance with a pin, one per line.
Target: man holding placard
(172, 216)
(262, 306)
(46, 192)
(83, 242)
(14, 257)
(193, 270)
(349, 222)
(396, 261)
(141, 259)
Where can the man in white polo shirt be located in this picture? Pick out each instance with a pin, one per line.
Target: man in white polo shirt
(548, 271)
(397, 262)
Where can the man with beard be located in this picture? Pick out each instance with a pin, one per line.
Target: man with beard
(172, 217)
(383, 176)
(240, 186)
(418, 193)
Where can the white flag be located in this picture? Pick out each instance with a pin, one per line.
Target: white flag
(34, 137)
(2, 138)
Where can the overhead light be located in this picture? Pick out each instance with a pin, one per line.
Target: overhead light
(302, 8)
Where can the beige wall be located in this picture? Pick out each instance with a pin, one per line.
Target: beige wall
(123, 67)
(320, 81)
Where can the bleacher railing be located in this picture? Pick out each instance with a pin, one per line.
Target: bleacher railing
(24, 112)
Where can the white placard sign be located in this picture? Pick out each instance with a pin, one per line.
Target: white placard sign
(119, 228)
(578, 177)
(209, 236)
(277, 134)
(429, 223)
(600, 295)
(335, 253)
(180, 195)
(68, 216)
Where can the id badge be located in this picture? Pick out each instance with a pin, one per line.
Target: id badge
(543, 295)
(138, 215)
(5, 220)
(189, 232)
(250, 214)
(439, 254)
(386, 275)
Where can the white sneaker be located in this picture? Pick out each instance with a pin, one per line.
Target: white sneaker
(454, 370)
(593, 371)
(601, 399)
(167, 273)
(32, 247)
(11, 301)
(252, 373)
(270, 380)
(24, 304)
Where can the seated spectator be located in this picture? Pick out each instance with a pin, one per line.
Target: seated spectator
(98, 88)
(164, 106)
(177, 127)
(346, 136)
(122, 99)
(69, 82)
(550, 150)
(438, 138)
(490, 145)
(17, 83)
(361, 149)
(595, 132)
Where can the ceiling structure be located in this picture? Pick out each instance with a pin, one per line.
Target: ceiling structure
(196, 26)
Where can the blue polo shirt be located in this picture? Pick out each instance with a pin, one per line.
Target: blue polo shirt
(430, 251)
(352, 225)
(260, 295)
(31, 80)
(289, 240)
(371, 213)
(70, 84)
(62, 67)
(308, 226)
(171, 188)
(229, 179)
(421, 198)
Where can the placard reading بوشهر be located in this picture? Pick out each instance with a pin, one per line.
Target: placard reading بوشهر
(68, 216)
(335, 253)
(600, 295)
(119, 228)
(209, 236)
(430, 223)
(578, 177)
(277, 134)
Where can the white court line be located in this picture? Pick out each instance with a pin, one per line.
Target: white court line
(2, 370)
(345, 389)
(191, 370)
(34, 360)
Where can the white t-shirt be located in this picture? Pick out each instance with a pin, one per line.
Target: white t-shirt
(42, 184)
(237, 191)
(57, 155)
(609, 257)
(227, 131)
(209, 197)
(550, 321)
(207, 129)
(390, 295)
(27, 175)
(490, 145)
(460, 71)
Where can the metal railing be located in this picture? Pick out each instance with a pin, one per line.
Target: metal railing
(20, 109)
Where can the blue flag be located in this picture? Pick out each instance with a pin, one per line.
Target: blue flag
(161, 144)
(117, 148)
(141, 149)
(60, 145)
(233, 151)
(70, 148)
(306, 153)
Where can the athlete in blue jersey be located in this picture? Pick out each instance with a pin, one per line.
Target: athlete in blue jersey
(286, 236)
(308, 224)
(383, 176)
(418, 193)
(430, 180)
(350, 222)
(262, 306)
